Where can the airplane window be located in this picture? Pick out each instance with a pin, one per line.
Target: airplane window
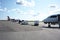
(53, 16)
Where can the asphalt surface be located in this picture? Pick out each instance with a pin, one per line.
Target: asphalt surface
(8, 26)
(14, 31)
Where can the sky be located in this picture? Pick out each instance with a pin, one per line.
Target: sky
(28, 9)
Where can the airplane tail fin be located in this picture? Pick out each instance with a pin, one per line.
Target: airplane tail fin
(8, 18)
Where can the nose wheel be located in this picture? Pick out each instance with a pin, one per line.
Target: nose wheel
(49, 25)
(59, 24)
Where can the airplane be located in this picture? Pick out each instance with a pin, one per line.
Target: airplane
(13, 20)
(8, 18)
(53, 19)
(22, 22)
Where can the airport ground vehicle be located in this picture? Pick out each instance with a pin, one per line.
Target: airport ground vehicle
(36, 23)
(24, 23)
(53, 19)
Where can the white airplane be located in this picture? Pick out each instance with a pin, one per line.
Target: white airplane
(53, 19)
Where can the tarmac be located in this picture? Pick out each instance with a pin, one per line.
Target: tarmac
(14, 31)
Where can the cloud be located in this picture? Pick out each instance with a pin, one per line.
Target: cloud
(36, 14)
(19, 2)
(3, 10)
(57, 11)
(15, 10)
(31, 12)
(26, 3)
(41, 16)
(52, 7)
(26, 15)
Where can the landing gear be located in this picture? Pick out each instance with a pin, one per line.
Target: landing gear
(59, 24)
(49, 25)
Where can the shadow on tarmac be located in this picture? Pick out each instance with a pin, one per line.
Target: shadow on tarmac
(51, 27)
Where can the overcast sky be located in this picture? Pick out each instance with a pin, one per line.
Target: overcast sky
(28, 9)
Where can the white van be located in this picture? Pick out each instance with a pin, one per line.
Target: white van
(24, 22)
(53, 19)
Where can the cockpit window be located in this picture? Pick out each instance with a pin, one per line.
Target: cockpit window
(54, 16)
